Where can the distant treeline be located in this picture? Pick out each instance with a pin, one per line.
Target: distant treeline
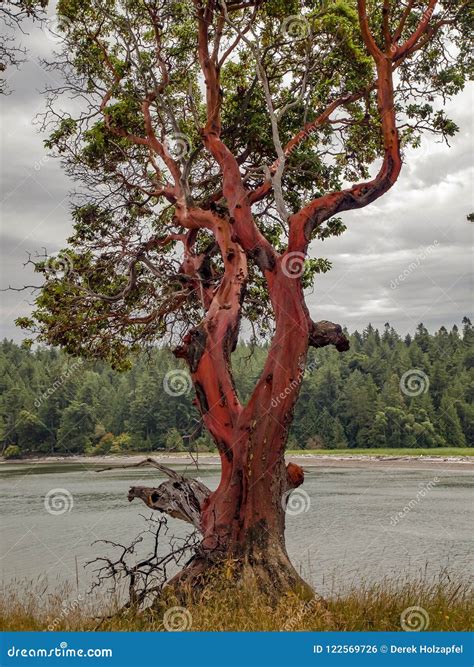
(384, 392)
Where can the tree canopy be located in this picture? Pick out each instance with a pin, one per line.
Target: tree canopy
(160, 102)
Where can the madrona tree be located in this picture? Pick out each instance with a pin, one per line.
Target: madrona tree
(212, 142)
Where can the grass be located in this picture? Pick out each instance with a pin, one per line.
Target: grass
(385, 451)
(443, 605)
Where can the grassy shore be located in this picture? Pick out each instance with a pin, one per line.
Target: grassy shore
(392, 605)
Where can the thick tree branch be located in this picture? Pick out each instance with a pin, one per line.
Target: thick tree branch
(406, 13)
(303, 223)
(397, 54)
(327, 333)
(420, 30)
(367, 35)
(245, 230)
(207, 348)
(259, 193)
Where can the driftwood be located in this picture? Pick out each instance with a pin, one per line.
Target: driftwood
(183, 497)
(180, 497)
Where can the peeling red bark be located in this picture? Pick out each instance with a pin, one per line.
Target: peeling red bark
(244, 517)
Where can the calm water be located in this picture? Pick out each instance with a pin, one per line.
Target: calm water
(346, 534)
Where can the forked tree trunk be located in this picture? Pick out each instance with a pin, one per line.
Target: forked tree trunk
(244, 518)
(243, 521)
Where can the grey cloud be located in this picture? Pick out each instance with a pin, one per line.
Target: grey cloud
(403, 288)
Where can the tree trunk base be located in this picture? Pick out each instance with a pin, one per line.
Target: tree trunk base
(269, 573)
(247, 589)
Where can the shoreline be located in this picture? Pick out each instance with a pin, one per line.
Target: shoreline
(211, 459)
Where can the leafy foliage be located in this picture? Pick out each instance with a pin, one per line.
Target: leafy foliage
(126, 285)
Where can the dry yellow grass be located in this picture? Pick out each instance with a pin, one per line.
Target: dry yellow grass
(447, 605)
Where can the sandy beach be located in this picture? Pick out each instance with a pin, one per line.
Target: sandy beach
(204, 460)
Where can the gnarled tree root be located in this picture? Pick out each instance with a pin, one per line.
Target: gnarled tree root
(270, 574)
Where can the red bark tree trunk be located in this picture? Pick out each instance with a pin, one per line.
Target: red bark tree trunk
(244, 518)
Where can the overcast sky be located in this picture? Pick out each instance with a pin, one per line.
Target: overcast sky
(417, 231)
